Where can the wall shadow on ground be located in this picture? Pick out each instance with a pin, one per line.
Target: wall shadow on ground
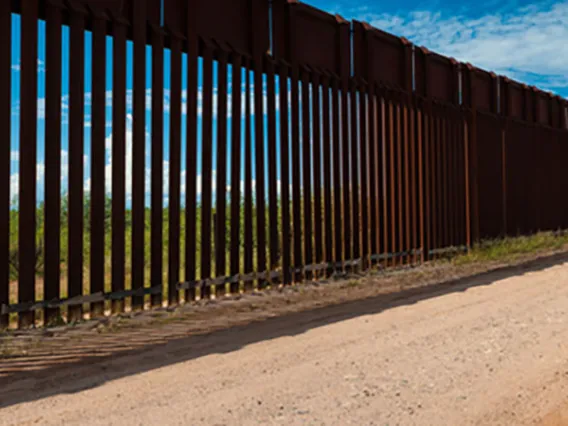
(89, 363)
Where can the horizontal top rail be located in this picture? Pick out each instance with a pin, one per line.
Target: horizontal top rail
(295, 32)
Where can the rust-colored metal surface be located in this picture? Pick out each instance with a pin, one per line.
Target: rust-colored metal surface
(479, 88)
(174, 183)
(513, 98)
(543, 108)
(118, 155)
(297, 145)
(272, 166)
(436, 76)
(157, 165)
(490, 163)
(306, 154)
(221, 175)
(207, 164)
(5, 129)
(301, 30)
(381, 57)
(236, 161)
(52, 272)
(28, 157)
(98, 154)
(139, 36)
(285, 172)
(317, 156)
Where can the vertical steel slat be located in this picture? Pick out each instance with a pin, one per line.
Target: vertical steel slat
(452, 178)
(391, 199)
(406, 179)
(433, 181)
(386, 175)
(426, 174)
(523, 181)
(236, 118)
(285, 172)
(355, 169)
(415, 227)
(221, 190)
(504, 176)
(440, 178)
(98, 157)
(509, 170)
(372, 171)
(442, 219)
(52, 232)
(327, 171)
(157, 185)
(380, 171)
(118, 159)
(445, 182)
(381, 174)
(248, 223)
(272, 170)
(175, 168)
(259, 166)
(76, 152)
(539, 196)
(364, 167)
(316, 123)
(192, 44)
(420, 154)
(455, 178)
(28, 157)
(139, 31)
(5, 158)
(400, 134)
(307, 173)
(346, 177)
(473, 190)
(207, 150)
(296, 176)
(337, 216)
(463, 180)
(449, 179)
(460, 182)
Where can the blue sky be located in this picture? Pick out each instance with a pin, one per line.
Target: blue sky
(525, 41)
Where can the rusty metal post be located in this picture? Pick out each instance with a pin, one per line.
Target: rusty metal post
(207, 165)
(221, 169)
(157, 174)
(98, 151)
(52, 232)
(236, 145)
(139, 36)
(119, 25)
(472, 156)
(5, 158)
(272, 167)
(192, 43)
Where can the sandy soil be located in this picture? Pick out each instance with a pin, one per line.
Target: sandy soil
(490, 349)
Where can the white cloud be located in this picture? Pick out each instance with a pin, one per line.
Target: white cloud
(14, 184)
(529, 43)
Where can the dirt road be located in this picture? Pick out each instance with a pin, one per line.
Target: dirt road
(493, 352)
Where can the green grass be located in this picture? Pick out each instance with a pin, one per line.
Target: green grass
(512, 247)
(503, 249)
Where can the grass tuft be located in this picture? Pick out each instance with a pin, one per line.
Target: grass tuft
(508, 248)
